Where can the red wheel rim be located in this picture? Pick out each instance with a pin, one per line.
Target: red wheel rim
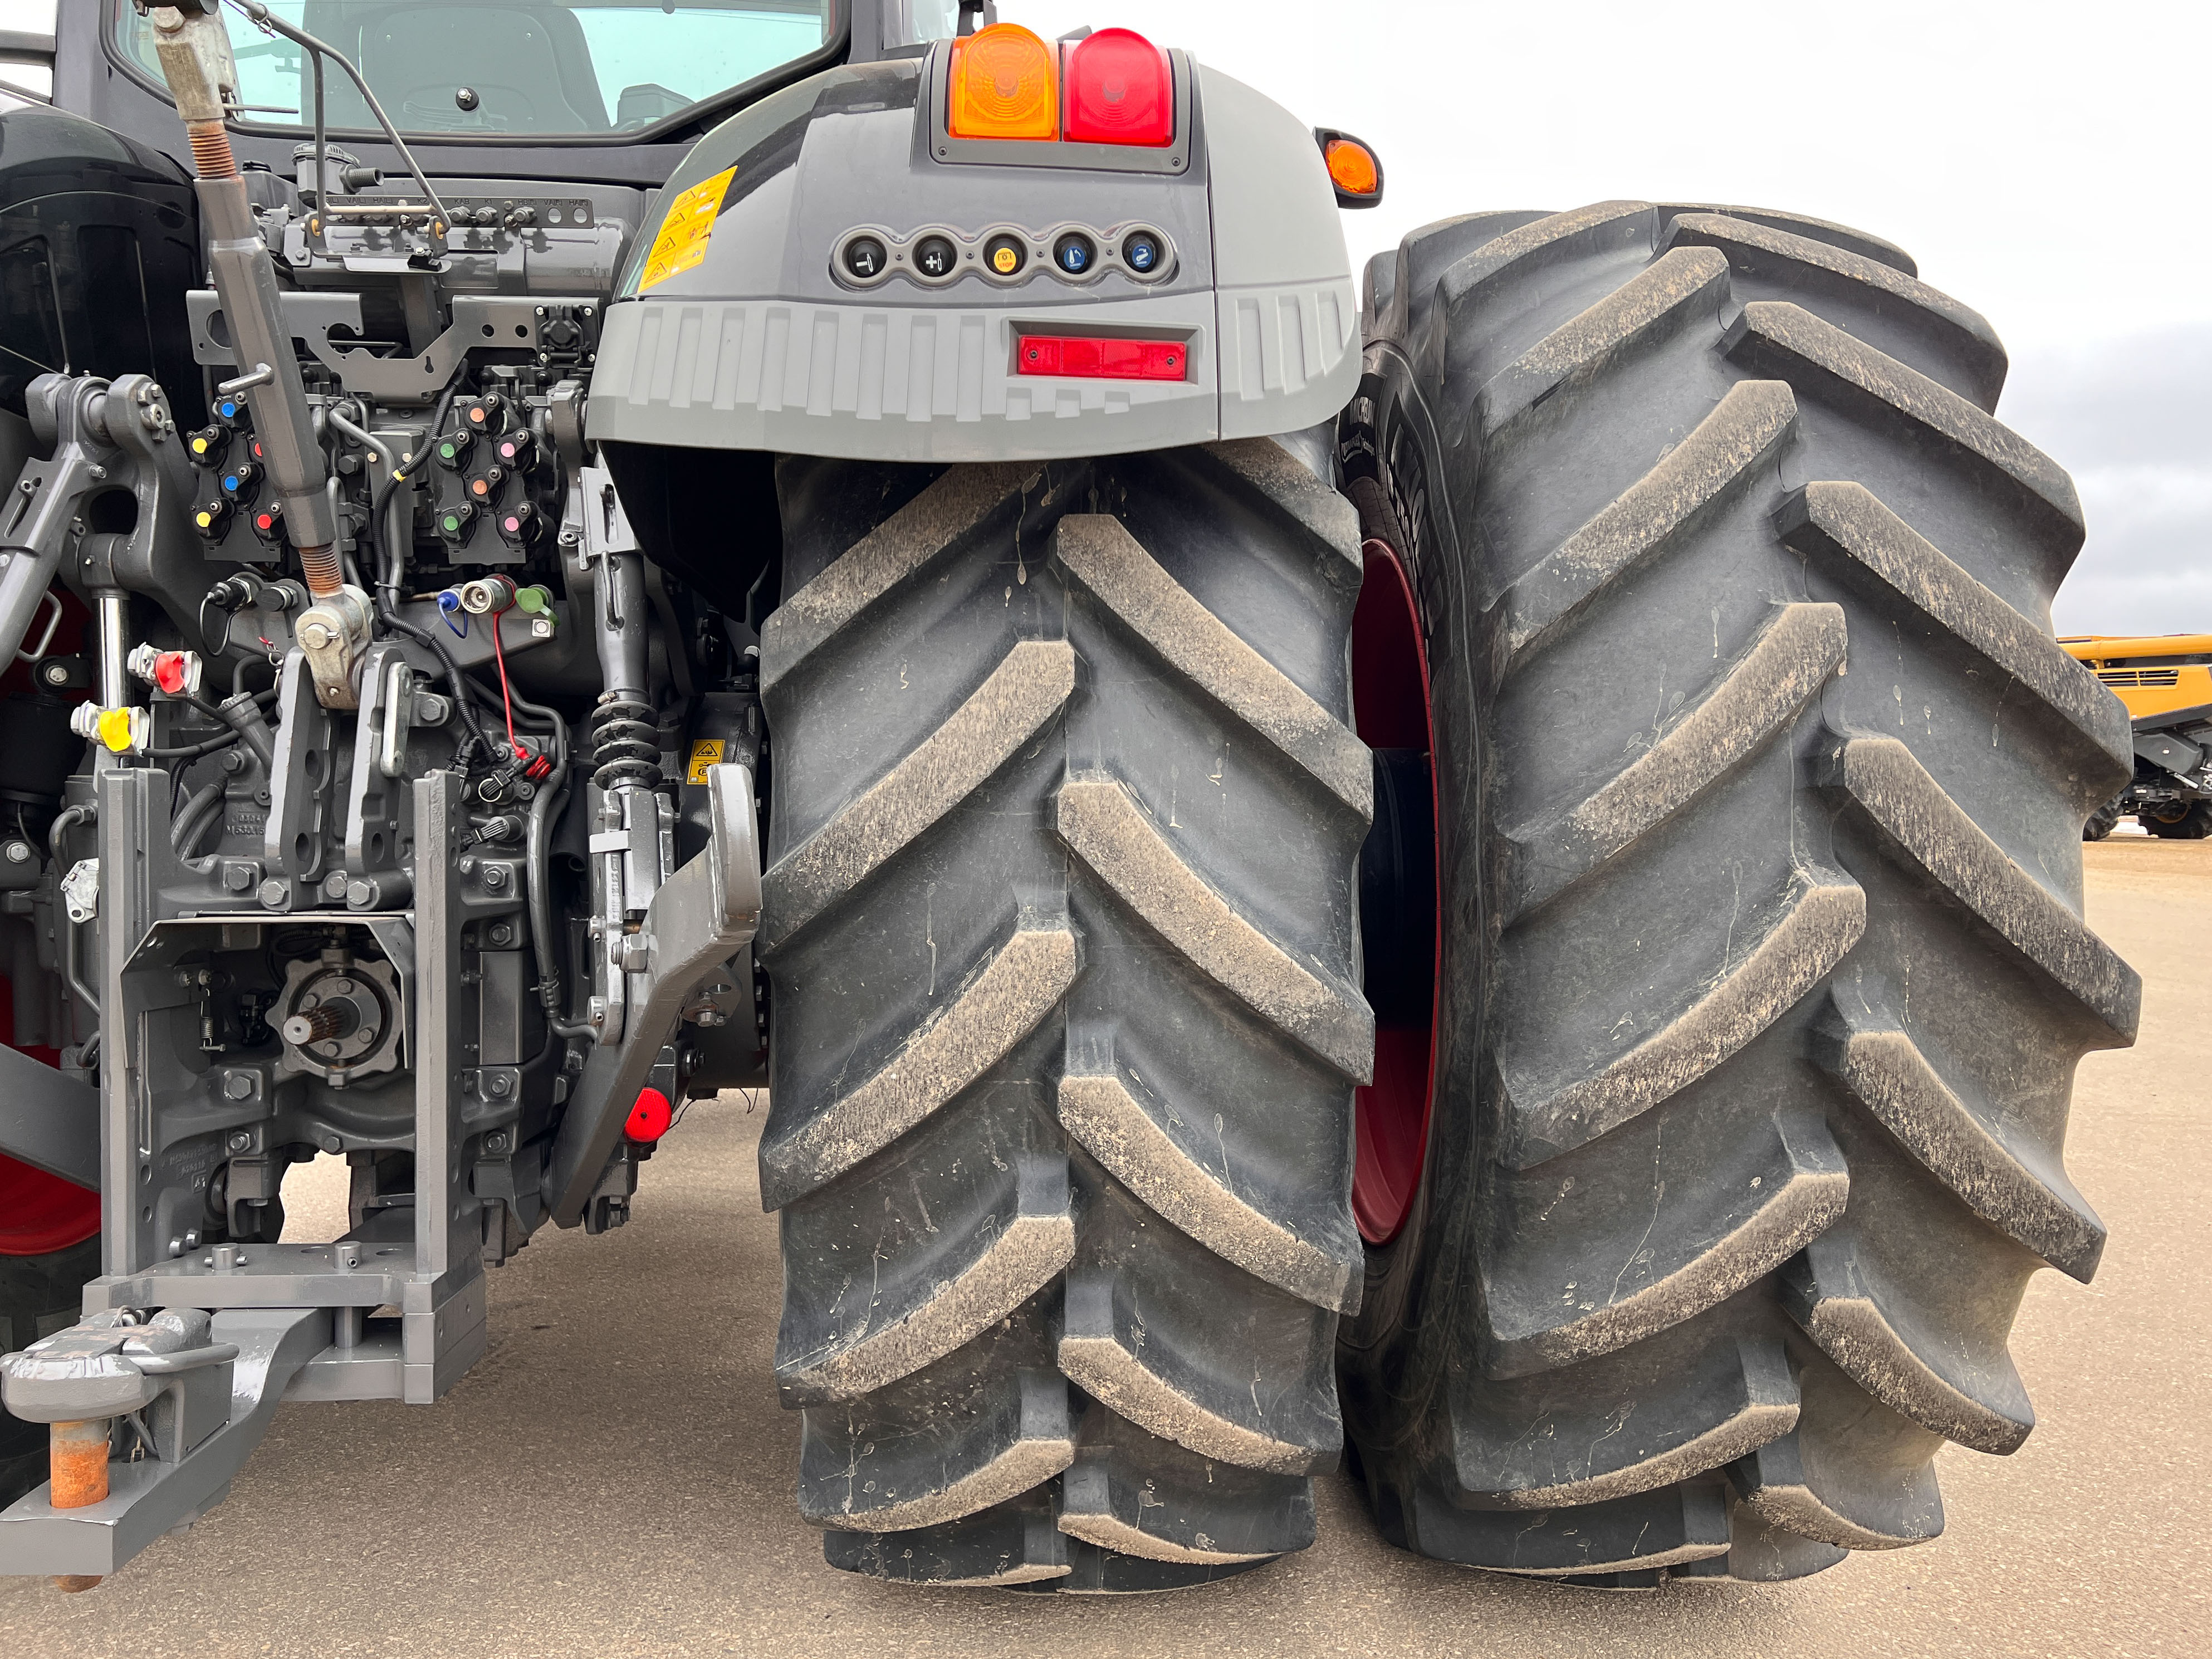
(1390, 699)
(40, 1213)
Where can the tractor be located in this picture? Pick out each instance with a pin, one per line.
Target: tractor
(1323, 871)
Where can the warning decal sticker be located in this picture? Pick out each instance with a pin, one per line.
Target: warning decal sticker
(685, 233)
(705, 752)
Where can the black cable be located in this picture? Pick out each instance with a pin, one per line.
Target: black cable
(195, 751)
(461, 684)
(187, 826)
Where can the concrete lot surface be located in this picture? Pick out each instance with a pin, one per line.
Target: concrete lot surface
(614, 1479)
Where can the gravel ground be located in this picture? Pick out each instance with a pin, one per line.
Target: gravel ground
(615, 1478)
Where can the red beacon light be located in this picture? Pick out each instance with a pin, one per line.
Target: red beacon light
(1120, 90)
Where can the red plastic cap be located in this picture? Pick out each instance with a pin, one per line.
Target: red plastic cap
(1120, 90)
(1082, 358)
(173, 672)
(650, 1118)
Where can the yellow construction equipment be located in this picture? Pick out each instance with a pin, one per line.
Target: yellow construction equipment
(2166, 681)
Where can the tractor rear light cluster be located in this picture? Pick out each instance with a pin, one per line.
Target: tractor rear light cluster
(1091, 357)
(1111, 87)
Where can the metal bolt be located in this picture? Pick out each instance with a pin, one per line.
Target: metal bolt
(332, 1144)
(226, 1256)
(273, 893)
(495, 1141)
(501, 1083)
(238, 1086)
(494, 876)
(501, 934)
(238, 876)
(16, 852)
(240, 1141)
(315, 635)
(334, 884)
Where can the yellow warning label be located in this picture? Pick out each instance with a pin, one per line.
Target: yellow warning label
(706, 752)
(682, 243)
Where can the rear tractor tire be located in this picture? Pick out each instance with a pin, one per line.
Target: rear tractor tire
(1759, 786)
(1059, 920)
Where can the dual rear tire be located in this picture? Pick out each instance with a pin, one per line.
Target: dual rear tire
(1060, 924)
(1760, 786)
(1723, 941)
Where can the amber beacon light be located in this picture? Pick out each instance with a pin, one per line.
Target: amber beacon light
(1006, 84)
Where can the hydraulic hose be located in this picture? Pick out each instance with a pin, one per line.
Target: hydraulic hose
(545, 812)
(187, 828)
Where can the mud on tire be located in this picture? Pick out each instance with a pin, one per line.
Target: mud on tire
(1761, 786)
(1059, 917)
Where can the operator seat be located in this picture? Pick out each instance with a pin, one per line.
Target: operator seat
(530, 65)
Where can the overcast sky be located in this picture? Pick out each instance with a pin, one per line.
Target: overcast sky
(2044, 163)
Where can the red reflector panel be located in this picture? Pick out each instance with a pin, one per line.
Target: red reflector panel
(650, 1118)
(1088, 359)
(1120, 90)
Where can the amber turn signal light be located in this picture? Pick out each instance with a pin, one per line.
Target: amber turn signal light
(1353, 167)
(1006, 84)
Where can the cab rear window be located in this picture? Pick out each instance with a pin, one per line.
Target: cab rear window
(509, 69)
